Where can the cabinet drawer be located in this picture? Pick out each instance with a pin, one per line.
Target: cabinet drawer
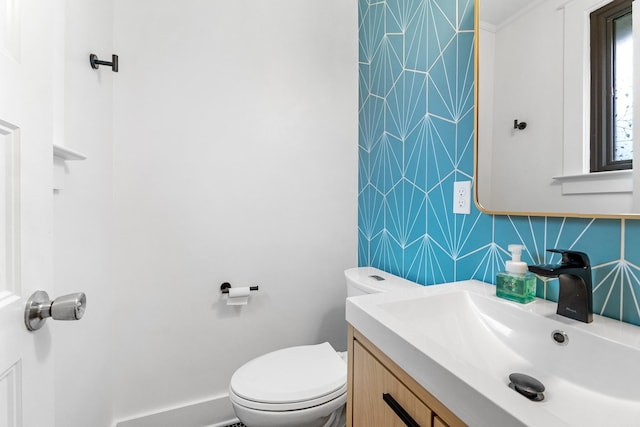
(437, 422)
(371, 380)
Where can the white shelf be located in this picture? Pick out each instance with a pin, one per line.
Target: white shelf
(60, 156)
(65, 153)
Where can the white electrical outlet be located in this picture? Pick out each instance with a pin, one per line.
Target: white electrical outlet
(462, 197)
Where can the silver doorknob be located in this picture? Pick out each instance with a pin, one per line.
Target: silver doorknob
(40, 307)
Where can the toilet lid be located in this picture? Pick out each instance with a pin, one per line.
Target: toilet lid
(295, 374)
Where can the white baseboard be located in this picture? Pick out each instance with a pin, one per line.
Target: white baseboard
(215, 412)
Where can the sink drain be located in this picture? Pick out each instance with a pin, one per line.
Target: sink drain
(560, 337)
(527, 386)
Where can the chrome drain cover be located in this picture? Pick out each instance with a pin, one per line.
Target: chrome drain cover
(527, 386)
(560, 337)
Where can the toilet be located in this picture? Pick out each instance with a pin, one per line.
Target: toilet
(303, 386)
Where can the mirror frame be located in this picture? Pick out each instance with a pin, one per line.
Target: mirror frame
(476, 199)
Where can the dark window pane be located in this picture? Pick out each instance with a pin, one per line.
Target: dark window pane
(612, 87)
(623, 88)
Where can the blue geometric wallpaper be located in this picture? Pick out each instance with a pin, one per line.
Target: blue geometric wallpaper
(416, 138)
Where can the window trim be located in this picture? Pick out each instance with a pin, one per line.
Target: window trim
(602, 126)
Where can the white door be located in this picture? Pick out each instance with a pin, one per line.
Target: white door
(27, 55)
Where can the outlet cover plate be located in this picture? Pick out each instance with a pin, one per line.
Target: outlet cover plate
(462, 197)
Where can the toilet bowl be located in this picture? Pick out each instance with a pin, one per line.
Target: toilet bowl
(295, 386)
(303, 386)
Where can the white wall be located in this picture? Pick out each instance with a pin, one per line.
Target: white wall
(486, 53)
(82, 220)
(235, 159)
(527, 87)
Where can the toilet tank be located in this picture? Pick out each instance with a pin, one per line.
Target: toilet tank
(370, 280)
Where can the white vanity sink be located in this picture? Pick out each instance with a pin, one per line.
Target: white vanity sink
(461, 342)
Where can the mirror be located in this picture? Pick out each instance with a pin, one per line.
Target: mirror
(532, 113)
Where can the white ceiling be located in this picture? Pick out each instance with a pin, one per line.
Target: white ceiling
(495, 12)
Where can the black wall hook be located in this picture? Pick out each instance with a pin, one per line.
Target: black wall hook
(95, 62)
(519, 126)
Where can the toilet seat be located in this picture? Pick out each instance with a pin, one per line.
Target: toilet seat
(290, 379)
(290, 406)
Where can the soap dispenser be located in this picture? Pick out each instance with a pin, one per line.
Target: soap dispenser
(516, 283)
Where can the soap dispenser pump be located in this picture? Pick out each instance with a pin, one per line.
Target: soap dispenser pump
(516, 283)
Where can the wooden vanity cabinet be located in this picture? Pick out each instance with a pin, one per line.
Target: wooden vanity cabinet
(381, 394)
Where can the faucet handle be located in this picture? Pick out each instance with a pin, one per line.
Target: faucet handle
(572, 258)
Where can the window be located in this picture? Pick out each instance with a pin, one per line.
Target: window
(611, 87)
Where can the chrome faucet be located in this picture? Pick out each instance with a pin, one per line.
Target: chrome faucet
(575, 299)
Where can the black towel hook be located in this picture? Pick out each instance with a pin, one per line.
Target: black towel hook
(95, 62)
(519, 125)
